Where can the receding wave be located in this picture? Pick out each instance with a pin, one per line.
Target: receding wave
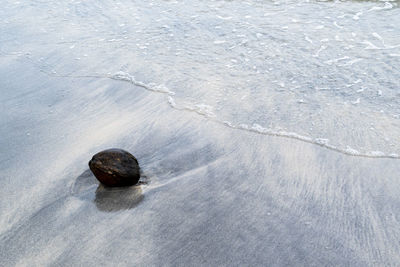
(206, 111)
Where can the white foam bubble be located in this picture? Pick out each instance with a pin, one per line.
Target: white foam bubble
(159, 88)
(219, 41)
(351, 151)
(375, 154)
(321, 141)
(387, 5)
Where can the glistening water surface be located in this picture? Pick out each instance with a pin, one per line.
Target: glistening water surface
(325, 72)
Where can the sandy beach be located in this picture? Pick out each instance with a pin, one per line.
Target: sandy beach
(226, 181)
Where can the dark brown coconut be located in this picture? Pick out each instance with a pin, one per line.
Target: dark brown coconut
(115, 167)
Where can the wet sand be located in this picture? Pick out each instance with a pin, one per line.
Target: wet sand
(215, 196)
(211, 194)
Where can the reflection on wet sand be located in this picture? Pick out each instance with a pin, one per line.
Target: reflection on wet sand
(106, 198)
(119, 198)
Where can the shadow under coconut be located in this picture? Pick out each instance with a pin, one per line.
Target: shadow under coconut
(107, 199)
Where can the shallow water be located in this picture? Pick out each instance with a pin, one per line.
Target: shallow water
(322, 71)
(266, 131)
